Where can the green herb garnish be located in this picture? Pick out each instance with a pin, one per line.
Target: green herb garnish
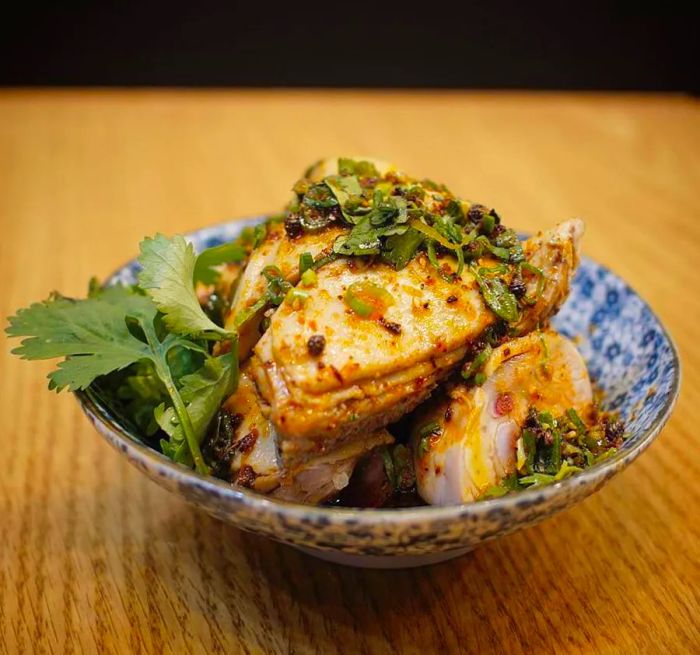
(400, 248)
(120, 327)
(479, 361)
(309, 278)
(306, 261)
(496, 295)
(226, 253)
(296, 298)
(576, 420)
(275, 292)
(389, 467)
(551, 449)
(396, 217)
(425, 436)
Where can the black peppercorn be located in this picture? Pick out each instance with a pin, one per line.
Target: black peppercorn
(390, 326)
(292, 225)
(316, 344)
(614, 430)
(476, 212)
(517, 287)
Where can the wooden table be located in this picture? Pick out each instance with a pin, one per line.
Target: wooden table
(95, 558)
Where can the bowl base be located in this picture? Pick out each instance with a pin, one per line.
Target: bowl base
(383, 561)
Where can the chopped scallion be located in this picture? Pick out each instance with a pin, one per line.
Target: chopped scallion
(309, 278)
(306, 261)
(368, 299)
(296, 298)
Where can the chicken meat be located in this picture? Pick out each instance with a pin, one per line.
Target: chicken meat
(371, 370)
(244, 447)
(281, 249)
(474, 429)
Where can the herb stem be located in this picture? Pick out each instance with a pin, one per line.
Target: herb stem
(165, 374)
(184, 418)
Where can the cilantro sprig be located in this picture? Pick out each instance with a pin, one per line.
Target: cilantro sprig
(167, 277)
(119, 327)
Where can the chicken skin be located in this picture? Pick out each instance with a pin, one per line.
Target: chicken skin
(475, 429)
(249, 453)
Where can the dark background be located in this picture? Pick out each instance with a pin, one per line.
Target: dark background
(608, 46)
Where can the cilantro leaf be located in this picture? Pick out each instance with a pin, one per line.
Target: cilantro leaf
(100, 335)
(345, 189)
(134, 393)
(202, 392)
(357, 167)
(92, 334)
(117, 327)
(168, 277)
(365, 238)
(226, 253)
(140, 392)
(400, 248)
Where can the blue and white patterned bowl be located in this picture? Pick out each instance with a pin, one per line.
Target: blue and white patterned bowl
(629, 354)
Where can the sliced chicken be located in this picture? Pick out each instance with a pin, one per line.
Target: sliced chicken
(324, 477)
(473, 444)
(249, 452)
(281, 249)
(282, 252)
(247, 446)
(372, 370)
(555, 252)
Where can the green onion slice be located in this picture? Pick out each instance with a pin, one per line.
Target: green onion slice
(477, 363)
(526, 266)
(368, 299)
(306, 261)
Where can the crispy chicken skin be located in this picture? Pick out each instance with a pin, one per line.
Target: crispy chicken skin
(370, 373)
(479, 425)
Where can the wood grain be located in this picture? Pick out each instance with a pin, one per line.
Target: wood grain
(94, 558)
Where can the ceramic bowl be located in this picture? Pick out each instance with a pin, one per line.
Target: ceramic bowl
(629, 354)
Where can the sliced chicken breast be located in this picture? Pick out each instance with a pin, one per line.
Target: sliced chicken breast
(281, 250)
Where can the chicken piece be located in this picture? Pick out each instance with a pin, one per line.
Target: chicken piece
(324, 477)
(373, 370)
(281, 250)
(276, 250)
(555, 252)
(252, 460)
(248, 447)
(475, 445)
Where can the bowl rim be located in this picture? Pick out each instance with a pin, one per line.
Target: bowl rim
(374, 516)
